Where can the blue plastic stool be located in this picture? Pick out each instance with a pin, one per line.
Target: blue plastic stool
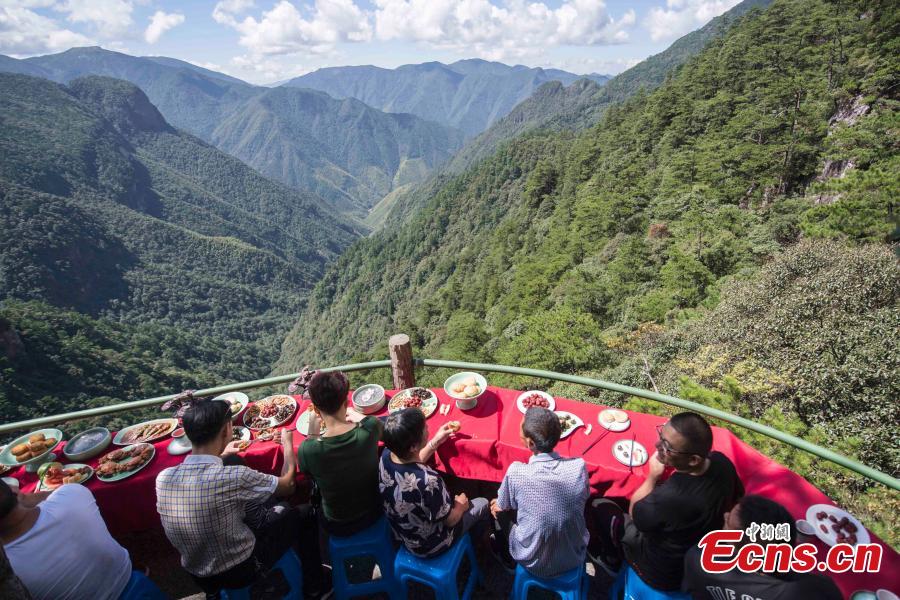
(293, 572)
(439, 572)
(571, 585)
(375, 541)
(628, 585)
(141, 588)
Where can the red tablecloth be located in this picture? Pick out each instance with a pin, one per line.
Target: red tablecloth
(483, 449)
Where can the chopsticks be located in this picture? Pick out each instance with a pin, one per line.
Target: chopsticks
(631, 454)
(595, 442)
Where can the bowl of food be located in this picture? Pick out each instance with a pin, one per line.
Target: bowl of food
(237, 402)
(465, 388)
(368, 398)
(87, 444)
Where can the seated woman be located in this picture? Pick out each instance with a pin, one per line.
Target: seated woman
(343, 461)
(415, 498)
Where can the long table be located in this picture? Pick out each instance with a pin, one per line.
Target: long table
(486, 444)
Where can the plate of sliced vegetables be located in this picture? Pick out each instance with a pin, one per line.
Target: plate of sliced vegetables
(568, 422)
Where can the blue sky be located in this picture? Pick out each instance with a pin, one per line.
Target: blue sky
(268, 40)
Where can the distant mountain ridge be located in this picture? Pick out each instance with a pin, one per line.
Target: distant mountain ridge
(348, 153)
(557, 107)
(469, 94)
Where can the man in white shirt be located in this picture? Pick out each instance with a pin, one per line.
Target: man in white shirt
(59, 546)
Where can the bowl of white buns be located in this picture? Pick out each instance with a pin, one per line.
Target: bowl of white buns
(465, 388)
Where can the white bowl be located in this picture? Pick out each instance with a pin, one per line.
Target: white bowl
(884, 594)
(465, 402)
(374, 404)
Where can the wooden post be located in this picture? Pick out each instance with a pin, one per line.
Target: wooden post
(401, 361)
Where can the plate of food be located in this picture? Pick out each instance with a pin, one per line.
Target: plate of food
(416, 397)
(568, 422)
(614, 419)
(270, 412)
(240, 434)
(535, 398)
(31, 448)
(630, 453)
(835, 525)
(148, 431)
(125, 462)
(87, 444)
(303, 421)
(236, 400)
(269, 434)
(53, 474)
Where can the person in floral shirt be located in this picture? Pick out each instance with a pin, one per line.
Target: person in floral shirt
(416, 501)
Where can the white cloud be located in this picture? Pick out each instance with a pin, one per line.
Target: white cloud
(683, 16)
(160, 23)
(500, 30)
(110, 17)
(284, 30)
(513, 29)
(24, 32)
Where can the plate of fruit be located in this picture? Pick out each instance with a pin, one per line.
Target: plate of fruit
(834, 525)
(537, 398)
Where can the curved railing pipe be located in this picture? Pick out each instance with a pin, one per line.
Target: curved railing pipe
(771, 432)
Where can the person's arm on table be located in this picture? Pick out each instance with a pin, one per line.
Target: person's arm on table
(286, 480)
(655, 470)
(442, 435)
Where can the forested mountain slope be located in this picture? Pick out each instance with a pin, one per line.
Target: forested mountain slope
(107, 210)
(469, 95)
(557, 248)
(349, 153)
(557, 107)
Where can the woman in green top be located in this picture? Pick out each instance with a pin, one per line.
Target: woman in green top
(343, 461)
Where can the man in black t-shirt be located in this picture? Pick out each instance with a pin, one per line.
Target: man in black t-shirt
(759, 586)
(668, 518)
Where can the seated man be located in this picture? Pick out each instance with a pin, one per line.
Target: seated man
(549, 535)
(343, 461)
(87, 563)
(415, 498)
(668, 518)
(737, 584)
(201, 503)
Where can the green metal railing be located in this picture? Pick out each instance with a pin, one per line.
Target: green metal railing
(771, 432)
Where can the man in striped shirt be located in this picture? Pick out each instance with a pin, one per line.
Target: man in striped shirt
(548, 495)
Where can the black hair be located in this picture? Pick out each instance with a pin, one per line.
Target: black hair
(542, 427)
(403, 431)
(696, 431)
(8, 499)
(203, 421)
(328, 391)
(756, 509)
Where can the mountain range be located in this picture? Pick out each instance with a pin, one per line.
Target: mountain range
(342, 150)
(469, 95)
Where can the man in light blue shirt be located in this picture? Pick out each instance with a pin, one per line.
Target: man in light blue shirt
(548, 495)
